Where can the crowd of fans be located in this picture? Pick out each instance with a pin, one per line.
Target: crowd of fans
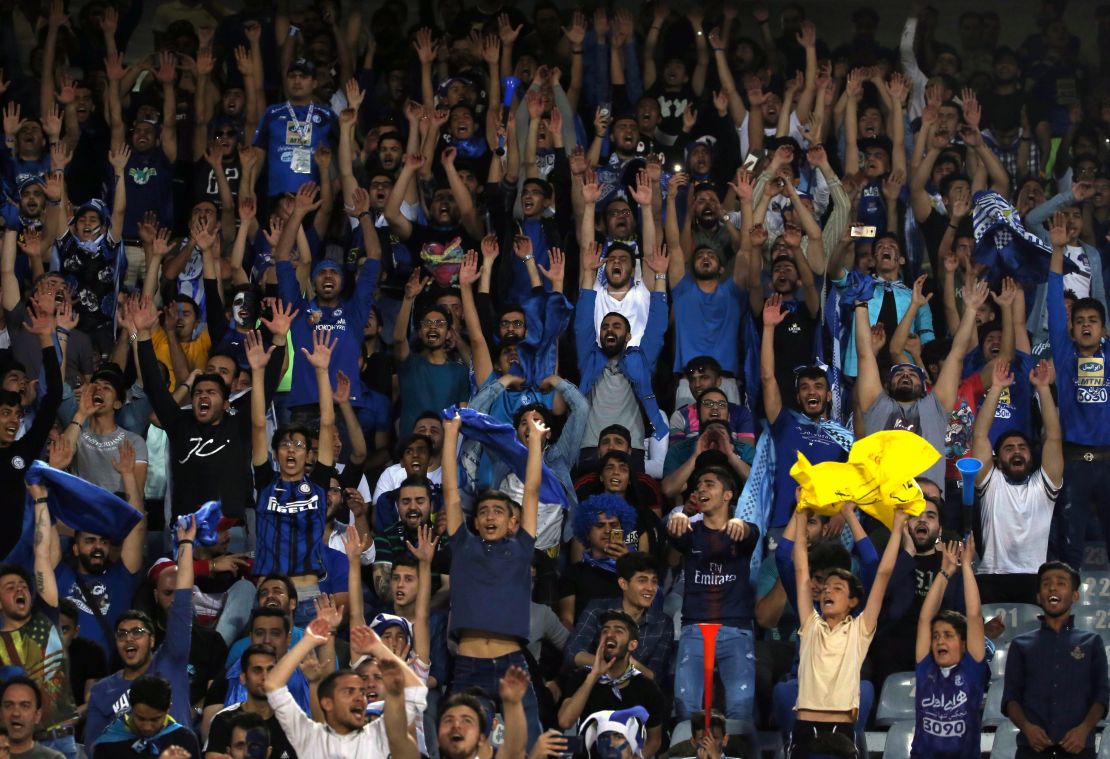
(421, 381)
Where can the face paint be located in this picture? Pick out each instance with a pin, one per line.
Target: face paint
(244, 308)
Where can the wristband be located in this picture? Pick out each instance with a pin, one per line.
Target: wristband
(659, 276)
(862, 304)
(527, 258)
(185, 542)
(364, 213)
(576, 52)
(947, 576)
(50, 202)
(187, 386)
(43, 499)
(74, 421)
(132, 337)
(61, 330)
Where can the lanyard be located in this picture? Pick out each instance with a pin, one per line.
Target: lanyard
(301, 128)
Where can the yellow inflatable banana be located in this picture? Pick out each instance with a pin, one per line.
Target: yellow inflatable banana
(878, 476)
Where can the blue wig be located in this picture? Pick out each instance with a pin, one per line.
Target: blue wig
(587, 513)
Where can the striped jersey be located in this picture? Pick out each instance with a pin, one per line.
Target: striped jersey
(291, 517)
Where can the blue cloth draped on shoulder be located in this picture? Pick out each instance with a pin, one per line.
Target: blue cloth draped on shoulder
(538, 350)
(1004, 245)
(500, 440)
(76, 503)
(121, 730)
(208, 517)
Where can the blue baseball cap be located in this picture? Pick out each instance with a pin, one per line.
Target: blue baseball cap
(906, 365)
(326, 263)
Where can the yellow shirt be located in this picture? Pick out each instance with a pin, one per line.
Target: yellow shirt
(829, 663)
(196, 351)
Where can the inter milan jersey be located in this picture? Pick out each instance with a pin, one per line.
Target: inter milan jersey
(291, 517)
(290, 135)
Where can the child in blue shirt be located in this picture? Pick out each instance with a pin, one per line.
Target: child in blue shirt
(950, 671)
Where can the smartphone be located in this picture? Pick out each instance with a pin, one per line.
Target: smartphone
(606, 109)
(574, 745)
(863, 230)
(616, 536)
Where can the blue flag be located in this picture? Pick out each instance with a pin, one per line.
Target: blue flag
(77, 503)
(1004, 245)
(500, 441)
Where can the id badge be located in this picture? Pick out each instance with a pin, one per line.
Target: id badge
(298, 133)
(301, 162)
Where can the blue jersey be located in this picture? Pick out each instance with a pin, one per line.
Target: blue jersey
(791, 434)
(291, 517)
(716, 569)
(345, 322)
(1081, 380)
(947, 709)
(149, 181)
(290, 135)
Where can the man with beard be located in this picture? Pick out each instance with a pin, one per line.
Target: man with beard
(428, 377)
(903, 403)
(430, 425)
(1056, 685)
(1016, 502)
(416, 450)
(614, 682)
(255, 664)
(414, 507)
(616, 376)
(328, 311)
(346, 732)
(134, 638)
(806, 428)
(209, 448)
(275, 591)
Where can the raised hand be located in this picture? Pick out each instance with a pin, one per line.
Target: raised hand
(773, 313)
(186, 527)
(976, 295)
(426, 543)
(248, 208)
(354, 93)
(258, 355)
(950, 560)
(364, 641)
(1008, 294)
(328, 611)
(641, 193)
(919, 298)
(807, 35)
(1058, 230)
(125, 464)
(555, 271)
(166, 72)
(591, 256)
(426, 48)
(514, 685)
(416, 284)
(1042, 376)
(657, 259)
(1001, 376)
(505, 30)
(576, 32)
(322, 345)
(973, 112)
(306, 199)
(522, 246)
(60, 452)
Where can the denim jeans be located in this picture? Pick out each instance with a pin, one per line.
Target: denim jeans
(471, 672)
(306, 610)
(735, 660)
(237, 610)
(1087, 484)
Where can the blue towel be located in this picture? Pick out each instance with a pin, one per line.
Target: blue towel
(208, 518)
(500, 440)
(78, 504)
(1004, 244)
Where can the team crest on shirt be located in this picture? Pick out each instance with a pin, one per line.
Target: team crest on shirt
(1077, 654)
(306, 488)
(18, 462)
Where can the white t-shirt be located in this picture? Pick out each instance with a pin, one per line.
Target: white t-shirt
(634, 307)
(1016, 522)
(394, 475)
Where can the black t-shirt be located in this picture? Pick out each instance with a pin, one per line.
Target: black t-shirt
(672, 105)
(794, 345)
(86, 662)
(586, 582)
(204, 185)
(219, 735)
(639, 691)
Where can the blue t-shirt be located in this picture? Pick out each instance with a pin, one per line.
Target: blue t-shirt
(344, 322)
(109, 697)
(717, 572)
(425, 385)
(792, 433)
(291, 519)
(290, 144)
(710, 323)
(112, 592)
(491, 583)
(948, 709)
(1084, 393)
(149, 181)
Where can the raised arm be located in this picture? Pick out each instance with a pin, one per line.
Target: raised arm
(976, 635)
(773, 316)
(45, 536)
(323, 343)
(131, 552)
(950, 562)
(868, 382)
(118, 158)
(452, 503)
(897, 345)
(1042, 378)
(532, 476)
(9, 284)
(948, 381)
(980, 433)
(803, 592)
(870, 616)
(258, 356)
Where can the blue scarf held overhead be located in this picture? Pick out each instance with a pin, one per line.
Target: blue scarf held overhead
(1004, 245)
(208, 517)
(78, 504)
(500, 441)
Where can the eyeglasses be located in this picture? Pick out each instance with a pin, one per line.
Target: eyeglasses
(131, 632)
(296, 444)
(715, 404)
(433, 323)
(515, 323)
(616, 212)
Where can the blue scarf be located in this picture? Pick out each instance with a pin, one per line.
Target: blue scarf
(500, 441)
(1004, 244)
(121, 730)
(208, 517)
(609, 564)
(76, 503)
(473, 147)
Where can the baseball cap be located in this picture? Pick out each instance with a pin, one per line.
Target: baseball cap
(303, 65)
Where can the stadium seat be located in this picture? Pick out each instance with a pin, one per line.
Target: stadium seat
(682, 732)
(1095, 620)
(1005, 741)
(896, 703)
(992, 710)
(1094, 590)
(1018, 618)
(898, 738)
(998, 663)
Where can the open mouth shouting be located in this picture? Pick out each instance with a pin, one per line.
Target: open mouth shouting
(813, 404)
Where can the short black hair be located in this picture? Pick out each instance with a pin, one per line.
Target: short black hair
(288, 431)
(855, 587)
(67, 608)
(470, 701)
(634, 562)
(285, 580)
(954, 618)
(949, 179)
(1083, 304)
(703, 363)
(225, 391)
(542, 410)
(492, 494)
(260, 612)
(437, 309)
(327, 685)
(15, 569)
(416, 481)
(623, 318)
(718, 390)
(10, 397)
(726, 476)
(153, 691)
(618, 615)
(1049, 566)
(1009, 434)
(616, 429)
(261, 649)
(136, 615)
(248, 722)
(23, 680)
